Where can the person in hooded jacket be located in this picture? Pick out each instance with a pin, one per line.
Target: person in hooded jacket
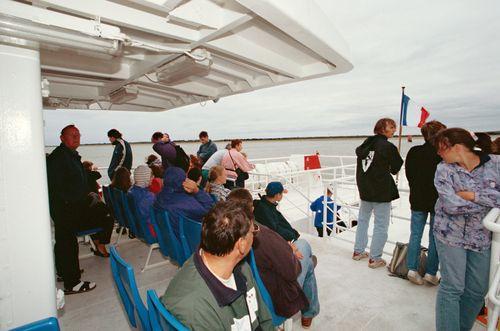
(181, 195)
(122, 154)
(377, 161)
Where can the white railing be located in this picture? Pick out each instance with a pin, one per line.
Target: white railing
(492, 223)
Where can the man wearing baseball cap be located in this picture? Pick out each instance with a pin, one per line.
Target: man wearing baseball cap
(266, 212)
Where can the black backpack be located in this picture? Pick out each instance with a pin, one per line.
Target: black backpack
(181, 158)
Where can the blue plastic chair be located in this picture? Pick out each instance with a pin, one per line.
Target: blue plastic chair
(277, 320)
(169, 244)
(124, 278)
(47, 324)
(106, 193)
(117, 207)
(160, 318)
(190, 233)
(129, 216)
(142, 227)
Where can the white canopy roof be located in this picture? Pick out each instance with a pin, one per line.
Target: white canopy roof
(153, 55)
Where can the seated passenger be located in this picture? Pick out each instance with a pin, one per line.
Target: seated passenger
(216, 180)
(266, 213)
(214, 160)
(182, 196)
(214, 289)
(317, 206)
(157, 181)
(92, 176)
(121, 179)
(195, 175)
(287, 270)
(143, 198)
(153, 159)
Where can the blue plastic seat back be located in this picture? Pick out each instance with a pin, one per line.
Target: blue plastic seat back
(130, 217)
(277, 320)
(88, 232)
(161, 319)
(169, 244)
(106, 193)
(118, 207)
(124, 278)
(143, 228)
(190, 232)
(47, 324)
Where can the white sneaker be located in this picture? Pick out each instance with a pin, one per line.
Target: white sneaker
(415, 278)
(431, 279)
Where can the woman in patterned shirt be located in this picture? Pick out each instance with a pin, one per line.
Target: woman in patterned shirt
(468, 184)
(215, 185)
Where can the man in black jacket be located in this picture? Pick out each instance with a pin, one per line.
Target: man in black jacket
(377, 159)
(122, 154)
(265, 212)
(72, 209)
(421, 164)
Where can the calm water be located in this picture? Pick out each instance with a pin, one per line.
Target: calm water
(100, 155)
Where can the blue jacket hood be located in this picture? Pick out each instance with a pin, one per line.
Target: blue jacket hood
(173, 179)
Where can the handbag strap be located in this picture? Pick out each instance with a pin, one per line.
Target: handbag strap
(234, 164)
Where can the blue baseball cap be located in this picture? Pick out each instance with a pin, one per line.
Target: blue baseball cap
(274, 188)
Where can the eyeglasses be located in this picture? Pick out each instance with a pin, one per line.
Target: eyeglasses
(255, 228)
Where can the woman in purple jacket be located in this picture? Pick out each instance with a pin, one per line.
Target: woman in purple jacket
(468, 184)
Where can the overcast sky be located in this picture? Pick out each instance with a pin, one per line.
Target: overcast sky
(446, 53)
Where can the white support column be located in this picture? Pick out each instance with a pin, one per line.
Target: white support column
(27, 285)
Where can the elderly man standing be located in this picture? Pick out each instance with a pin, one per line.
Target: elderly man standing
(73, 208)
(214, 290)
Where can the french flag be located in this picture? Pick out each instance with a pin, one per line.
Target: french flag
(412, 114)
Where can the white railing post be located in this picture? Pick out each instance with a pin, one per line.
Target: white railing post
(492, 223)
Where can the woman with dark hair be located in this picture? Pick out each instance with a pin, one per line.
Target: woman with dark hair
(468, 184)
(420, 166)
(121, 179)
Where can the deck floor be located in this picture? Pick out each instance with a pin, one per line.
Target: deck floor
(352, 296)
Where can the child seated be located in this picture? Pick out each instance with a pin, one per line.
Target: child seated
(142, 196)
(215, 185)
(317, 207)
(92, 176)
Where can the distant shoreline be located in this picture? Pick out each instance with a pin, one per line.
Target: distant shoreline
(261, 139)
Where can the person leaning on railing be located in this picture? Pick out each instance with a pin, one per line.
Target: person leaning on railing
(468, 184)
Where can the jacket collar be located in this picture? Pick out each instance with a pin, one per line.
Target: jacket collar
(72, 152)
(224, 295)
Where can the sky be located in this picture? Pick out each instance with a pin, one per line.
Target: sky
(446, 53)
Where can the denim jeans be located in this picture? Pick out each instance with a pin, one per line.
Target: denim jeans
(464, 284)
(307, 279)
(418, 220)
(382, 212)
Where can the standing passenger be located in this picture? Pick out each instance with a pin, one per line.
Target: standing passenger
(468, 184)
(122, 154)
(377, 160)
(207, 147)
(165, 148)
(237, 166)
(420, 167)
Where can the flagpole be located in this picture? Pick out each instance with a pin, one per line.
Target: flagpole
(401, 119)
(400, 127)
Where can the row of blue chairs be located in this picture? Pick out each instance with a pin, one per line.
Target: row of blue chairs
(156, 316)
(125, 211)
(153, 318)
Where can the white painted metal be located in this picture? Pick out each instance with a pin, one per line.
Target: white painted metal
(492, 223)
(27, 291)
(114, 44)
